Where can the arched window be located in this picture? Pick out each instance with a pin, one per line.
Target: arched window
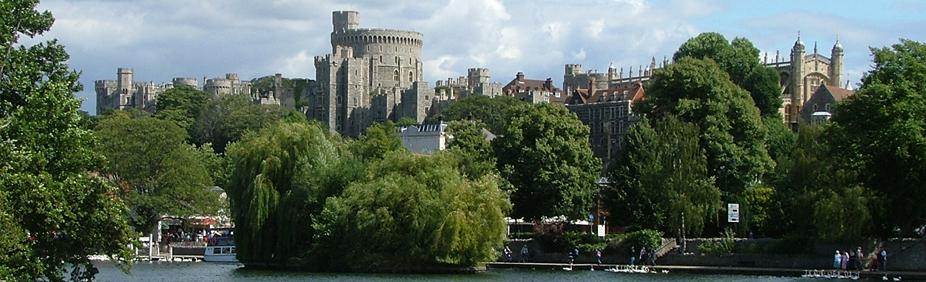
(411, 77)
(395, 75)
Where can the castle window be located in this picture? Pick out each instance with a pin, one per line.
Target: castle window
(827, 107)
(395, 75)
(411, 77)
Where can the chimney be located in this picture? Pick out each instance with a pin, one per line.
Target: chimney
(548, 85)
(520, 76)
(591, 86)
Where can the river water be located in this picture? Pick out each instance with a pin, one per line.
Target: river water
(202, 271)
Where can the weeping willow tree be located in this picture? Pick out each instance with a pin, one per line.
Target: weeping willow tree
(280, 177)
(413, 211)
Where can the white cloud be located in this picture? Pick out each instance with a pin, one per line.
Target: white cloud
(579, 56)
(595, 28)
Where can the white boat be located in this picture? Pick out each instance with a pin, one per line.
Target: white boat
(220, 254)
(221, 248)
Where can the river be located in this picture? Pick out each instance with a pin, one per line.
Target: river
(202, 271)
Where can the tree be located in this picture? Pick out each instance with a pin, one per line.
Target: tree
(226, 119)
(54, 210)
(544, 153)
(660, 180)
(413, 211)
(880, 133)
(493, 111)
(158, 171)
(740, 60)
(280, 178)
(731, 132)
(181, 104)
(376, 142)
(477, 157)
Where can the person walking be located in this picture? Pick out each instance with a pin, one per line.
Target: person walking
(598, 256)
(844, 261)
(859, 257)
(507, 252)
(882, 259)
(633, 255)
(643, 257)
(837, 260)
(524, 253)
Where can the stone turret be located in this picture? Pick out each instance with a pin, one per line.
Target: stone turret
(837, 60)
(345, 20)
(797, 74)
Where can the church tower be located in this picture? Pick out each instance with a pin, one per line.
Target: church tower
(836, 67)
(797, 76)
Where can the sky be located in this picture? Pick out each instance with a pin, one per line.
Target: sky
(162, 39)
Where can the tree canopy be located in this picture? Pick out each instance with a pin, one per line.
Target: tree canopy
(731, 133)
(493, 111)
(299, 197)
(881, 132)
(54, 210)
(740, 60)
(544, 153)
(660, 180)
(181, 104)
(226, 119)
(158, 171)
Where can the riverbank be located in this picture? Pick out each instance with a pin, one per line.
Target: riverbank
(702, 270)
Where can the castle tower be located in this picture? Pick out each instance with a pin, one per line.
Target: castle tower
(125, 87)
(477, 76)
(836, 67)
(345, 20)
(797, 75)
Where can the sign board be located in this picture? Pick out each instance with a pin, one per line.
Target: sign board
(601, 230)
(733, 213)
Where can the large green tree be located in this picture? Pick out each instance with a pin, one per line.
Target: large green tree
(158, 171)
(731, 132)
(280, 177)
(493, 111)
(881, 132)
(181, 104)
(740, 59)
(660, 179)
(413, 211)
(544, 153)
(467, 139)
(226, 119)
(54, 210)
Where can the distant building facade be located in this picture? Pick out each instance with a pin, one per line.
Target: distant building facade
(125, 93)
(476, 82)
(424, 139)
(820, 106)
(607, 113)
(532, 90)
(803, 74)
(371, 75)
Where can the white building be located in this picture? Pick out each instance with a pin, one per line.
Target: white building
(424, 138)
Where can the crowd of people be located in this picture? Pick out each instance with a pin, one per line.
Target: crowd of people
(857, 260)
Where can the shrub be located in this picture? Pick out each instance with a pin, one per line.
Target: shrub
(648, 238)
(719, 247)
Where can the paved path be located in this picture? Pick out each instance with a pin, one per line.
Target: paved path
(787, 272)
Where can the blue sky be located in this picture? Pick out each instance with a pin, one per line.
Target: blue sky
(172, 38)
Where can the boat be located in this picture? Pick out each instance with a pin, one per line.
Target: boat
(221, 248)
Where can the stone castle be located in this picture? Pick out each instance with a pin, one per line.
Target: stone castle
(126, 93)
(371, 75)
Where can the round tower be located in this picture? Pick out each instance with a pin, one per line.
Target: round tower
(836, 68)
(797, 74)
(345, 20)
